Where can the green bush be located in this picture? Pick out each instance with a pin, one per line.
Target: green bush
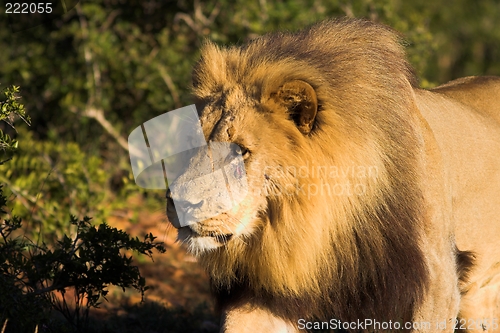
(53, 180)
(9, 108)
(85, 265)
(69, 274)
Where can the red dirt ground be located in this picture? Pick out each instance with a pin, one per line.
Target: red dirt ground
(174, 277)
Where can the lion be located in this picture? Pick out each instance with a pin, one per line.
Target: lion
(373, 205)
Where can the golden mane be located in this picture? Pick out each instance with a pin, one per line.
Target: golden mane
(346, 256)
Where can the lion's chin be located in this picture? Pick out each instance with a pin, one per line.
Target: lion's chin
(197, 243)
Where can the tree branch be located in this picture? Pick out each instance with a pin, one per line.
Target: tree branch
(170, 84)
(98, 115)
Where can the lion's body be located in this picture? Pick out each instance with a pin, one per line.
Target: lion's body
(467, 131)
(369, 198)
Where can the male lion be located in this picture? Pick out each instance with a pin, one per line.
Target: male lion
(373, 206)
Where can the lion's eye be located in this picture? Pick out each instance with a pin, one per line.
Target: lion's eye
(239, 150)
(244, 152)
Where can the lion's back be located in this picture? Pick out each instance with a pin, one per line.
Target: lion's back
(482, 93)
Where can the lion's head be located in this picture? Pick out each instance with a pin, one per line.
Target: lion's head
(330, 192)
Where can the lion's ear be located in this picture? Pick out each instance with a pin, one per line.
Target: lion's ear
(299, 98)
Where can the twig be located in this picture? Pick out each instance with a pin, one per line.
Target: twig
(5, 325)
(87, 54)
(94, 77)
(189, 21)
(98, 115)
(347, 9)
(197, 21)
(110, 20)
(170, 84)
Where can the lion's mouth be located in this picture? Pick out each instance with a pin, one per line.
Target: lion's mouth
(220, 238)
(189, 233)
(198, 243)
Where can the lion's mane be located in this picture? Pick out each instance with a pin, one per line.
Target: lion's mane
(346, 256)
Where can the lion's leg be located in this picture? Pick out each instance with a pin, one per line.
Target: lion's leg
(480, 307)
(440, 306)
(252, 319)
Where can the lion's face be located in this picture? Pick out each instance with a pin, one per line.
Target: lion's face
(264, 132)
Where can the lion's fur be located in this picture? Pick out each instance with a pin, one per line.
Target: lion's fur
(360, 232)
(325, 256)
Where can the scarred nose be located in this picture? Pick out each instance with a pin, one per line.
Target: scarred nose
(187, 206)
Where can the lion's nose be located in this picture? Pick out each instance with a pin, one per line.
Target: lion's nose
(184, 205)
(187, 206)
